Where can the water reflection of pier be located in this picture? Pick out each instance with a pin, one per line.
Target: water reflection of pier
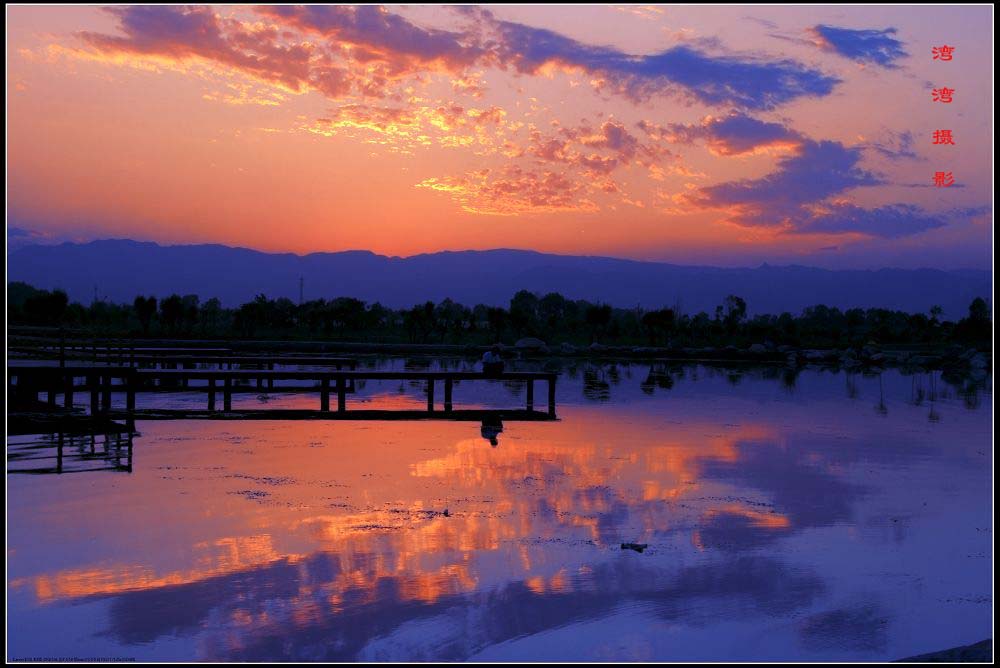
(64, 452)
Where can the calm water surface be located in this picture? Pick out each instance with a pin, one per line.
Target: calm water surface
(818, 517)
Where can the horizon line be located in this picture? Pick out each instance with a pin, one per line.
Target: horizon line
(763, 264)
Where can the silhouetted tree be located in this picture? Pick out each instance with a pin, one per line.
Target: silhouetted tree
(551, 317)
(46, 308)
(658, 325)
(145, 309)
(524, 313)
(597, 318)
(211, 314)
(976, 327)
(979, 310)
(189, 312)
(172, 312)
(736, 311)
(497, 319)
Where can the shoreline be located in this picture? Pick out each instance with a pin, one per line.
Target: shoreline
(954, 358)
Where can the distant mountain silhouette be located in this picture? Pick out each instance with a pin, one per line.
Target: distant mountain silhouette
(121, 269)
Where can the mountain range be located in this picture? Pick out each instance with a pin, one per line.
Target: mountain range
(118, 270)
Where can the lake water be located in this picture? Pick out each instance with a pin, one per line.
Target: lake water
(822, 516)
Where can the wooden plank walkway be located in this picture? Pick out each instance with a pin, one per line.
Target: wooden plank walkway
(255, 361)
(105, 350)
(458, 415)
(173, 359)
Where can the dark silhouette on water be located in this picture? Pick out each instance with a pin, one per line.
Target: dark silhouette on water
(491, 428)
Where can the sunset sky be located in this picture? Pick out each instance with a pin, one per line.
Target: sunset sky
(695, 135)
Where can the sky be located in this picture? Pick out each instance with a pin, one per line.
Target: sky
(719, 135)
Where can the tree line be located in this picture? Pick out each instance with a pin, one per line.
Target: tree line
(552, 318)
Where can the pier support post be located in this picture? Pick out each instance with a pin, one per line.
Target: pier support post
(447, 394)
(94, 394)
(68, 392)
(430, 395)
(106, 394)
(227, 394)
(270, 380)
(130, 383)
(341, 395)
(324, 395)
(552, 396)
(211, 394)
(531, 395)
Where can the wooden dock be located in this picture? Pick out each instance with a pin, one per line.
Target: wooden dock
(27, 381)
(171, 359)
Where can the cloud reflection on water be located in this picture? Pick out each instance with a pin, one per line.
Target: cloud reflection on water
(343, 540)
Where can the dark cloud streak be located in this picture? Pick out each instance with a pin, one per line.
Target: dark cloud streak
(800, 197)
(877, 47)
(734, 134)
(748, 82)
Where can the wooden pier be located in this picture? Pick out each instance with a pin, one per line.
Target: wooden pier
(171, 358)
(27, 381)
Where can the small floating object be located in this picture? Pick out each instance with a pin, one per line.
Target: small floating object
(445, 513)
(638, 547)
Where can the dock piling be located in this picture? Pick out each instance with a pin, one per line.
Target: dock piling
(68, 392)
(130, 388)
(94, 394)
(552, 396)
(106, 394)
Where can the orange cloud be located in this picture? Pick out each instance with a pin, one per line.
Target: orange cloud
(513, 190)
